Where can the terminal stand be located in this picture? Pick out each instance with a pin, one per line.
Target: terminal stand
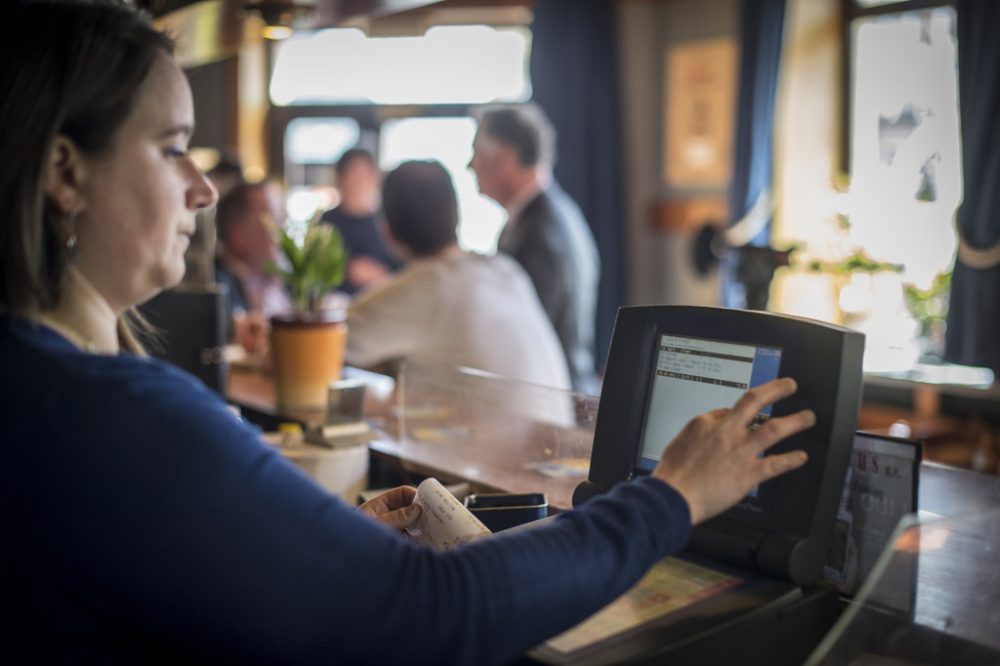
(666, 365)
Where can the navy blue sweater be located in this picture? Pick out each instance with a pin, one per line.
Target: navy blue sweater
(143, 522)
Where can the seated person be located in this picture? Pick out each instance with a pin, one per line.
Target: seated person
(143, 522)
(371, 261)
(247, 219)
(450, 307)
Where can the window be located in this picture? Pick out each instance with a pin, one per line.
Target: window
(905, 143)
(459, 64)
(402, 98)
(312, 147)
(905, 171)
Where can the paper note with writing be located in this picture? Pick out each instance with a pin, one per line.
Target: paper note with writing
(444, 522)
(670, 585)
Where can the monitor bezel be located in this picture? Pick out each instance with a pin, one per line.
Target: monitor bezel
(785, 523)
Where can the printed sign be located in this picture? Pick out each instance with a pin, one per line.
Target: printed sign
(880, 488)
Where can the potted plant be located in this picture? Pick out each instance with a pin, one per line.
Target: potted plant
(307, 344)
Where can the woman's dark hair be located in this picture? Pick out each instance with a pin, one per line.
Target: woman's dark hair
(71, 69)
(419, 204)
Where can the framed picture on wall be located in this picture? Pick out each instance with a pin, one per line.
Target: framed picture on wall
(699, 95)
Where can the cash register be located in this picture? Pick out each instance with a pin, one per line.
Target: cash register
(745, 590)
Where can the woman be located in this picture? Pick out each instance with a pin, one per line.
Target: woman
(141, 520)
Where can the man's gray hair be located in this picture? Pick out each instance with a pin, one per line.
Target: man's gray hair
(526, 129)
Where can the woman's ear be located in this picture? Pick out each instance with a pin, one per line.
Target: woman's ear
(64, 175)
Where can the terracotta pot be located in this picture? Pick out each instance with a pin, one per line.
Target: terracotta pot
(308, 355)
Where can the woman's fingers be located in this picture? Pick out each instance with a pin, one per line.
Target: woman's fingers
(778, 464)
(756, 399)
(774, 430)
(398, 497)
(402, 518)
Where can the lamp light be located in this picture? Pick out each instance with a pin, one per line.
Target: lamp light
(280, 16)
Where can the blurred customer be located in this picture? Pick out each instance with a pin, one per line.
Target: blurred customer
(513, 156)
(247, 219)
(450, 307)
(356, 217)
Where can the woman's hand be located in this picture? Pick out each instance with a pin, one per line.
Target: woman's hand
(394, 508)
(716, 459)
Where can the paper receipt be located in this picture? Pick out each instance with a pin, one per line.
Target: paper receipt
(445, 522)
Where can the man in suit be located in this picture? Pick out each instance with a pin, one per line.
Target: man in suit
(513, 156)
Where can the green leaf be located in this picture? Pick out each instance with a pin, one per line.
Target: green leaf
(314, 268)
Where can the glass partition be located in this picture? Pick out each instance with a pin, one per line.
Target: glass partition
(497, 433)
(931, 599)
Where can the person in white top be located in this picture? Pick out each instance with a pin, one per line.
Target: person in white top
(449, 307)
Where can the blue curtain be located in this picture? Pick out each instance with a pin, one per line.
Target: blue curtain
(575, 80)
(761, 28)
(973, 335)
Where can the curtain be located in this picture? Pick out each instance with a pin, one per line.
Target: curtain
(761, 29)
(574, 76)
(973, 334)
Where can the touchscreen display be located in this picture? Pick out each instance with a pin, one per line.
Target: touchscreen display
(694, 376)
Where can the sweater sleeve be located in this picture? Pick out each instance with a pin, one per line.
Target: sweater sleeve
(182, 523)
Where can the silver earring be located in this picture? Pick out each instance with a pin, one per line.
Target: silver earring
(71, 236)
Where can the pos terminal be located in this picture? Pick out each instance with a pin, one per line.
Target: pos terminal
(741, 591)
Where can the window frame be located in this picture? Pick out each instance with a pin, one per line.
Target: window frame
(368, 116)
